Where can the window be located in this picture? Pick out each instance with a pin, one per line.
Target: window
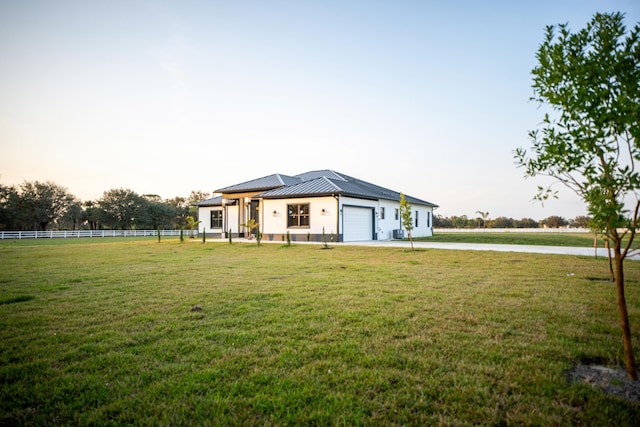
(428, 219)
(416, 219)
(381, 213)
(298, 215)
(397, 214)
(216, 219)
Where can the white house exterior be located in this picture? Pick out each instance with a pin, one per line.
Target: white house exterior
(310, 205)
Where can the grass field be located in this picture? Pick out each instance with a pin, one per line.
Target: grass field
(519, 238)
(101, 332)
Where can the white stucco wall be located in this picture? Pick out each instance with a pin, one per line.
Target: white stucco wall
(331, 218)
(384, 227)
(204, 216)
(274, 216)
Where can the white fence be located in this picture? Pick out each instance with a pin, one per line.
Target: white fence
(512, 230)
(65, 234)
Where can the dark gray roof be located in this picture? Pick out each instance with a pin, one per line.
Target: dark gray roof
(317, 187)
(265, 183)
(319, 174)
(214, 201)
(327, 182)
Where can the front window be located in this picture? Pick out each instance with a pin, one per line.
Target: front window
(397, 214)
(216, 219)
(381, 213)
(298, 215)
(416, 219)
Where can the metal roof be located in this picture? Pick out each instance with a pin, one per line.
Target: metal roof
(325, 182)
(214, 201)
(314, 187)
(265, 183)
(307, 176)
(310, 184)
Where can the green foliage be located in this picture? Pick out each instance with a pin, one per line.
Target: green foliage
(405, 216)
(288, 238)
(158, 231)
(252, 225)
(591, 140)
(35, 205)
(204, 235)
(325, 243)
(192, 225)
(230, 237)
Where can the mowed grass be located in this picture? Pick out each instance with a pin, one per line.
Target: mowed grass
(101, 332)
(519, 238)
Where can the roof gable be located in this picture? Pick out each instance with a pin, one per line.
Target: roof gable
(314, 187)
(265, 183)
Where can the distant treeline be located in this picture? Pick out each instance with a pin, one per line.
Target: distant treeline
(48, 206)
(463, 221)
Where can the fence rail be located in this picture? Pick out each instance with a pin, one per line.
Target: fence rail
(66, 234)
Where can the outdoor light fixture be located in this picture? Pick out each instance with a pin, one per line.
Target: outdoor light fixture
(275, 213)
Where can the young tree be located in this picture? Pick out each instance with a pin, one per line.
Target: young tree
(591, 140)
(405, 215)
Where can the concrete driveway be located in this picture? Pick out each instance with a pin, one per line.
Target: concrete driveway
(559, 250)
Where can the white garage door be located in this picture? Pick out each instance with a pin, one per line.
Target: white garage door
(357, 224)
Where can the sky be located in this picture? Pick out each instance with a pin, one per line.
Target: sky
(164, 97)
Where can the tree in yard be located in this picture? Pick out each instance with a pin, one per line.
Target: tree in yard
(73, 218)
(40, 203)
(503, 222)
(252, 225)
(484, 216)
(555, 221)
(580, 222)
(590, 139)
(182, 209)
(405, 216)
(526, 223)
(120, 208)
(192, 225)
(9, 215)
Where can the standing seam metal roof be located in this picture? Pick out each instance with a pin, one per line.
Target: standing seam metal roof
(317, 183)
(265, 183)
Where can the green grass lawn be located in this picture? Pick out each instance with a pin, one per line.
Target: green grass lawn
(518, 238)
(101, 332)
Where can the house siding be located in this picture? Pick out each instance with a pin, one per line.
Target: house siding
(274, 218)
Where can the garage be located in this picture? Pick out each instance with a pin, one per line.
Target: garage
(357, 223)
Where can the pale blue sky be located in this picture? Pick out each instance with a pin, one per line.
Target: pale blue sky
(165, 97)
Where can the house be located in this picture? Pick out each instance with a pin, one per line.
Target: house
(309, 205)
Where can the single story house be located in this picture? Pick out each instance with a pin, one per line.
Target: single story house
(310, 205)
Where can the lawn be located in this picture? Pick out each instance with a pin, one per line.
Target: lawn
(102, 332)
(519, 238)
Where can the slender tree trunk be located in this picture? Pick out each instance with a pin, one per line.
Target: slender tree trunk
(612, 276)
(632, 370)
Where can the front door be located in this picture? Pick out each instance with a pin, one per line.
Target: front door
(254, 210)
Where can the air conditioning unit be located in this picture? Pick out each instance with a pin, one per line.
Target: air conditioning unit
(398, 234)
